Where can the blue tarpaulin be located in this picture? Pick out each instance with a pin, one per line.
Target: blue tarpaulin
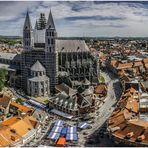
(59, 123)
(64, 131)
(72, 137)
(72, 129)
(56, 129)
(53, 136)
(83, 125)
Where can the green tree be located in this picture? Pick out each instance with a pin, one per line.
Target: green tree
(19, 101)
(3, 76)
(101, 79)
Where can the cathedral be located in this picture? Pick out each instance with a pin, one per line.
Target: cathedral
(47, 61)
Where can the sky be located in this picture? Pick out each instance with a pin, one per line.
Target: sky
(78, 18)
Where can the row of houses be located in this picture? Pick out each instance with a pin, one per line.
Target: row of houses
(18, 123)
(131, 73)
(128, 124)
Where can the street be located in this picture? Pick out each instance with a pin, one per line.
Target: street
(113, 95)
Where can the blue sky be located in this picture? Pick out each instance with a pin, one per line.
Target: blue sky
(79, 18)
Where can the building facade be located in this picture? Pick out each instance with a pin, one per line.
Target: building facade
(57, 59)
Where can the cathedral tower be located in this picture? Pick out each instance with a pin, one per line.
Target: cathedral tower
(28, 42)
(51, 51)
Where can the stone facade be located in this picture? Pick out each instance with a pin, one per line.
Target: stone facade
(38, 83)
(69, 57)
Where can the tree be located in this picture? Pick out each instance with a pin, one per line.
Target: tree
(101, 79)
(3, 76)
(19, 101)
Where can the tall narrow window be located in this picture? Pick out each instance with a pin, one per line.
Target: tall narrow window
(51, 41)
(48, 41)
(49, 49)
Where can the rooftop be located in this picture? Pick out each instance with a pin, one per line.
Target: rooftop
(22, 108)
(71, 46)
(125, 123)
(15, 128)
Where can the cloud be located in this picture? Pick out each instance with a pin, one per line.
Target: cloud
(96, 17)
(76, 18)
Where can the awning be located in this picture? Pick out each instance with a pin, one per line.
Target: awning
(64, 131)
(37, 103)
(83, 125)
(72, 130)
(53, 136)
(61, 141)
(56, 129)
(59, 123)
(61, 114)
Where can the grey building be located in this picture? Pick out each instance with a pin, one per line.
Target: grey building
(38, 83)
(56, 60)
(39, 45)
(73, 102)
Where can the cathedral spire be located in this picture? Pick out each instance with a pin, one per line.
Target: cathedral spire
(27, 24)
(50, 22)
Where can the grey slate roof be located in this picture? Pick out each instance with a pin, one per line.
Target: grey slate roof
(27, 24)
(37, 66)
(71, 46)
(39, 78)
(9, 56)
(65, 100)
(50, 22)
(66, 89)
(9, 67)
(88, 91)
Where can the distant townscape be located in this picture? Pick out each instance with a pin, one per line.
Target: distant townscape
(84, 91)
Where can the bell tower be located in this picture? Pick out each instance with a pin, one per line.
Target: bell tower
(50, 35)
(28, 42)
(51, 52)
